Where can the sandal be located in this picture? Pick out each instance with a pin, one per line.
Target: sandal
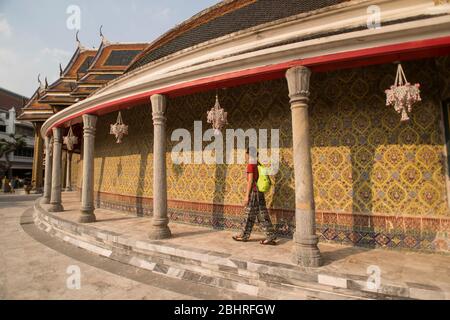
(239, 238)
(268, 242)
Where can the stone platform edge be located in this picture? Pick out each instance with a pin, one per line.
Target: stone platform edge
(105, 243)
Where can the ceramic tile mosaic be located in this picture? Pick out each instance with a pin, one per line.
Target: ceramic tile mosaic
(365, 161)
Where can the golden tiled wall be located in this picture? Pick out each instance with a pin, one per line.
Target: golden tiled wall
(364, 159)
(76, 170)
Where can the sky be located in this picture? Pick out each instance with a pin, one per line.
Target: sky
(37, 35)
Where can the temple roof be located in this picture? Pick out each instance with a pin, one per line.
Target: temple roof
(59, 92)
(79, 63)
(35, 110)
(110, 61)
(222, 19)
(87, 71)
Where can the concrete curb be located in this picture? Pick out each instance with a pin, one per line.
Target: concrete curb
(255, 277)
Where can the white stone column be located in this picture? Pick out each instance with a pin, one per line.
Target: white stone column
(306, 252)
(87, 191)
(48, 170)
(69, 171)
(159, 229)
(55, 196)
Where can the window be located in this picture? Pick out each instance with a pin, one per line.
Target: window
(2, 127)
(24, 131)
(24, 152)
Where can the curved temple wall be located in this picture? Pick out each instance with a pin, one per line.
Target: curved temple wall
(377, 182)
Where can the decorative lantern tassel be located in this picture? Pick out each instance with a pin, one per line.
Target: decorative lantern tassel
(119, 129)
(402, 95)
(70, 140)
(217, 117)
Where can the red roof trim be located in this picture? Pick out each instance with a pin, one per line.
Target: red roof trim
(350, 59)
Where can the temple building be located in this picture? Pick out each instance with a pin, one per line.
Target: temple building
(353, 170)
(87, 71)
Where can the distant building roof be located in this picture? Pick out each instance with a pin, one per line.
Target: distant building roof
(9, 99)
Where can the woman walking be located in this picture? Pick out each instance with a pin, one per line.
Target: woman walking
(255, 204)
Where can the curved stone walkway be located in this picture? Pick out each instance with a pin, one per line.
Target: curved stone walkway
(34, 266)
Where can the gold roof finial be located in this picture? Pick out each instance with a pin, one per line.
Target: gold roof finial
(80, 46)
(104, 40)
(60, 70)
(46, 83)
(77, 39)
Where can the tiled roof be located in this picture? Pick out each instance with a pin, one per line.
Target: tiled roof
(224, 19)
(115, 56)
(111, 61)
(121, 57)
(79, 63)
(35, 110)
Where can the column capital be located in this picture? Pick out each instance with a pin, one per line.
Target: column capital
(159, 105)
(298, 85)
(57, 135)
(89, 123)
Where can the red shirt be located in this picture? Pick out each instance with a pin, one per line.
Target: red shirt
(253, 168)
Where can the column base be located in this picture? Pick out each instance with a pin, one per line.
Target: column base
(55, 207)
(68, 189)
(87, 217)
(159, 232)
(45, 200)
(36, 191)
(306, 252)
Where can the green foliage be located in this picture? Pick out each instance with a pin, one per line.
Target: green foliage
(7, 147)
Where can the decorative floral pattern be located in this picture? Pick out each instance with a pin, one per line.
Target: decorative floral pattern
(365, 162)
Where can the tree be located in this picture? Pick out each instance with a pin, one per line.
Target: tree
(7, 147)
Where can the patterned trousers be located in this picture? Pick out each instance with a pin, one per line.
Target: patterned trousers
(257, 208)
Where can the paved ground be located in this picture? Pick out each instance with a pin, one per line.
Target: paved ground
(397, 267)
(34, 266)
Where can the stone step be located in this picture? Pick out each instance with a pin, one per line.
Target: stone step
(255, 277)
(196, 271)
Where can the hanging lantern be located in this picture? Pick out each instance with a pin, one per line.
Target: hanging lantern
(119, 129)
(70, 140)
(217, 117)
(402, 95)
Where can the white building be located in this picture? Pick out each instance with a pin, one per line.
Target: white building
(10, 104)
